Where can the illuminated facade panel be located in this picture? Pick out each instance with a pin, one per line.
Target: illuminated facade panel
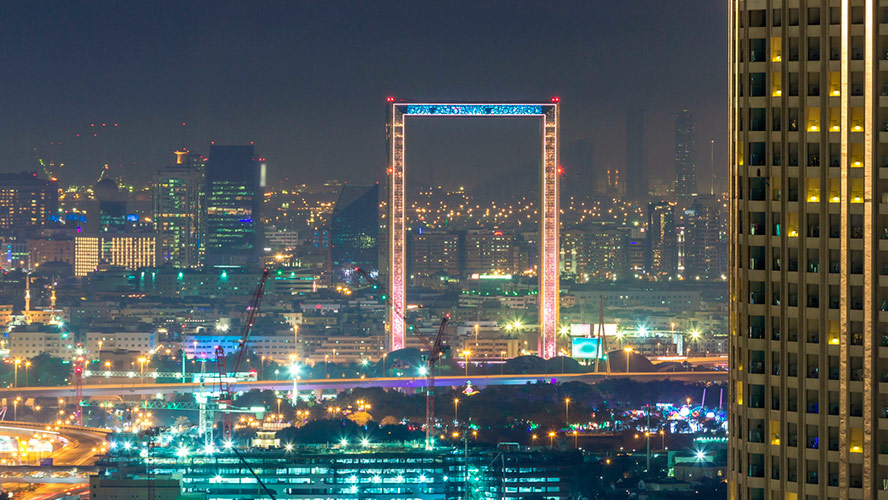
(548, 271)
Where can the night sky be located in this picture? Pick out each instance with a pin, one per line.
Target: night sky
(307, 81)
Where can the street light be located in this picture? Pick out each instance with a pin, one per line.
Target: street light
(16, 373)
(466, 354)
(551, 439)
(27, 371)
(566, 414)
(142, 360)
(476, 335)
(628, 351)
(456, 410)
(325, 365)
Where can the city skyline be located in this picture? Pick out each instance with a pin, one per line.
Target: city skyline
(189, 81)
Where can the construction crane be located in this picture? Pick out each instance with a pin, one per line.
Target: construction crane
(227, 378)
(436, 350)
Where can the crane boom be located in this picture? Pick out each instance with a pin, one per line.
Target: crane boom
(226, 377)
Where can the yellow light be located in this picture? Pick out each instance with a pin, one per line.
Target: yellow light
(813, 128)
(836, 93)
(835, 128)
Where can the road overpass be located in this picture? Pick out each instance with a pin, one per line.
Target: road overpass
(149, 388)
(71, 463)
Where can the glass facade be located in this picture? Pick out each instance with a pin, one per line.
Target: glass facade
(234, 194)
(354, 229)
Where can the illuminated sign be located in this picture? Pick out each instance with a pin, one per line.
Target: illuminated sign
(586, 348)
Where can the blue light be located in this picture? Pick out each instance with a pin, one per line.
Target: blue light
(474, 109)
(246, 221)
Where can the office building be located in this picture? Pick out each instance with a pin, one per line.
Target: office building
(663, 256)
(808, 181)
(26, 201)
(489, 251)
(635, 173)
(685, 154)
(112, 209)
(43, 250)
(179, 212)
(705, 240)
(126, 250)
(354, 230)
(434, 252)
(235, 185)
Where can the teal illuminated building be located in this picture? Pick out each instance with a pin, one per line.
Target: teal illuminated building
(235, 183)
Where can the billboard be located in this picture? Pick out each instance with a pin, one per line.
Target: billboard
(585, 348)
(587, 330)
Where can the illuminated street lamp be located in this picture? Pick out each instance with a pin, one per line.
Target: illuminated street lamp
(628, 351)
(142, 360)
(551, 439)
(466, 353)
(456, 410)
(27, 371)
(566, 412)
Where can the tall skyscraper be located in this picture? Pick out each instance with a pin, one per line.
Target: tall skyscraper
(178, 200)
(705, 245)
(235, 187)
(808, 298)
(635, 173)
(685, 154)
(26, 201)
(354, 230)
(663, 256)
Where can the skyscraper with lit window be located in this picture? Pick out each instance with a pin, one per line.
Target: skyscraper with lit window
(354, 230)
(26, 201)
(178, 200)
(235, 185)
(685, 154)
(809, 184)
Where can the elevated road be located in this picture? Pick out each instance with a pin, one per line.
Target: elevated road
(149, 388)
(71, 462)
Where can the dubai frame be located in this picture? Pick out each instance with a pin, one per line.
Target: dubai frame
(548, 271)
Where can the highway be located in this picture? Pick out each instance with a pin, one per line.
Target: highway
(80, 450)
(352, 383)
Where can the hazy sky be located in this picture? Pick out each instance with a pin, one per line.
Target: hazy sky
(307, 81)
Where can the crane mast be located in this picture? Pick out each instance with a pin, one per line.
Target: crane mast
(436, 350)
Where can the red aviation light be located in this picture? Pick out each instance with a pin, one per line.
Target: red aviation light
(556, 99)
(560, 170)
(390, 99)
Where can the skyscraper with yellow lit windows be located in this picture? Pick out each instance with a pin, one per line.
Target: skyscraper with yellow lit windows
(809, 249)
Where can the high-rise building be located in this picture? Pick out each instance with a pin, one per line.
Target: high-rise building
(685, 154)
(112, 210)
(808, 298)
(705, 244)
(434, 252)
(354, 230)
(663, 256)
(26, 201)
(235, 185)
(487, 251)
(179, 213)
(635, 174)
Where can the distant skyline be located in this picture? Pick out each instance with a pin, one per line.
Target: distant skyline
(307, 82)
